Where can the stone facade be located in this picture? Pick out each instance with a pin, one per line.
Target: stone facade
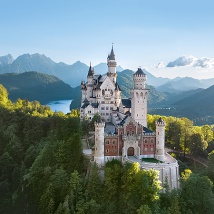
(122, 132)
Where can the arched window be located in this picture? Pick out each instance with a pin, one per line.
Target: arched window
(114, 142)
(107, 141)
(152, 140)
(145, 140)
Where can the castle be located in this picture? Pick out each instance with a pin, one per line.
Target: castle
(122, 133)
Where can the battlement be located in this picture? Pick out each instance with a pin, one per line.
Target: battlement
(99, 124)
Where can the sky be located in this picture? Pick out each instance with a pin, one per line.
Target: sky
(167, 37)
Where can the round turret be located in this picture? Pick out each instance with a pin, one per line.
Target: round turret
(112, 64)
(160, 139)
(139, 78)
(99, 142)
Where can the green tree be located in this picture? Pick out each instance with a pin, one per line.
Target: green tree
(144, 209)
(197, 195)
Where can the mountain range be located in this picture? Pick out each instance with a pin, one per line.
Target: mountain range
(36, 86)
(50, 81)
(75, 73)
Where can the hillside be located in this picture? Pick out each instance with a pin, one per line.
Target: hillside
(36, 86)
(178, 85)
(197, 105)
(125, 81)
(70, 74)
(203, 99)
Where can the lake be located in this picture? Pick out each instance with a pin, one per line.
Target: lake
(60, 105)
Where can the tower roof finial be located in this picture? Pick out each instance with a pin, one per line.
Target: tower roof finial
(112, 55)
(90, 71)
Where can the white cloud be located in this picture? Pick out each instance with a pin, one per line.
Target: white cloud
(182, 61)
(192, 61)
(160, 65)
(204, 63)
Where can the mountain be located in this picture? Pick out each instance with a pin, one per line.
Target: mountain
(6, 60)
(197, 105)
(178, 85)
(172, 98)
(155, 81)
(36, 86)
(125, 81)
(203, 99)
(71, 74)
(102, 68)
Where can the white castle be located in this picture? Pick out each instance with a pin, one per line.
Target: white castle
(122, 132)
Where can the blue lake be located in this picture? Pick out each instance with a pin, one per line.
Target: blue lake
(60, 105)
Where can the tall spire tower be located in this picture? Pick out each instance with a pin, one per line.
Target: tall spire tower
(139, 96)
(112, 64)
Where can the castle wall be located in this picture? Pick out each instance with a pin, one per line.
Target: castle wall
(147, 146)
(168, 172)
(111, 146)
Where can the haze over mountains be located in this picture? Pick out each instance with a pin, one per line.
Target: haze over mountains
(75, 73)
(183, 96)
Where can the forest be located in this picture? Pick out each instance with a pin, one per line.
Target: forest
(43, 170)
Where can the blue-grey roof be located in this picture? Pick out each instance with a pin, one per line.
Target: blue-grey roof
(139, 71)
(160, 120)
(95, 105)
(111, 56)
(90, 71)
(109, 128)
(126, 103)
(124, 120)
(146, 130)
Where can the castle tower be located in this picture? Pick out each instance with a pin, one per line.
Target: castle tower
(84, 90)
(99, 143)
(139, 96)
(160, 139)
(90, 82)
(112, 64)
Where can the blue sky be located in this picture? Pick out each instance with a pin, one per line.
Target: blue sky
(144, 32)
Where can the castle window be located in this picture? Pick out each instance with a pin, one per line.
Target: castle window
(107, 141)
(102, 108)
(107, 108)
(111, 108)
(152, 140)
(114, 142)
(107, 113)
(107, 150)
(113, 150)
(145, 141)
(127, 132)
